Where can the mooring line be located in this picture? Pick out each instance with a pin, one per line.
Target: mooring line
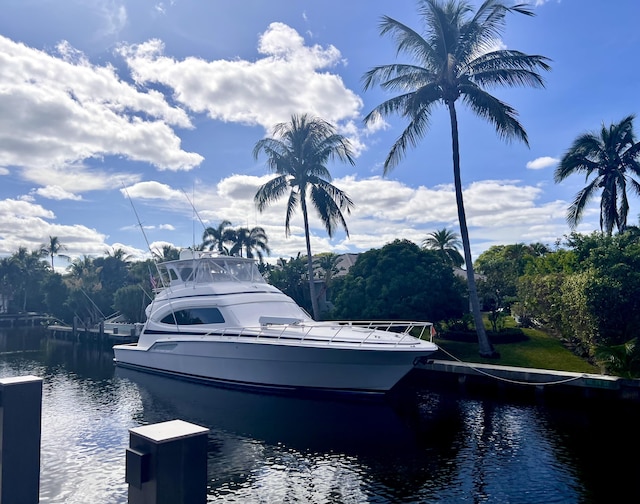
(517, 382)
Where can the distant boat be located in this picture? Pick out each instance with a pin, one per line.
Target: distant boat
(217, 320)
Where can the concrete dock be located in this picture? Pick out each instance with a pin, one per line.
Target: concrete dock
(526, 381)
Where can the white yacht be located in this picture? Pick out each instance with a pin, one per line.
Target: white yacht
(216, 319)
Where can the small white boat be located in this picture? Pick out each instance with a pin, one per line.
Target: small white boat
(216, 319)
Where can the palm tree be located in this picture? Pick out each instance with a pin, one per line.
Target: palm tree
(454, 60)
(52, 248)
(10, 278)
(328, 265)
(166, 253)
(118, 254)
(447, 243)
(621, 360)
(215, 238)
(30, 269)
(298, 154)
(253, 241)
(613, 158)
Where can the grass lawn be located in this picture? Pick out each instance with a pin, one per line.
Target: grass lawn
(539, 351)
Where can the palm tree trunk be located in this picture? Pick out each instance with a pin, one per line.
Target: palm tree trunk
(307, 236)
(484, 344)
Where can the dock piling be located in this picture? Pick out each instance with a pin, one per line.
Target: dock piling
(166, 463)
(20, 435)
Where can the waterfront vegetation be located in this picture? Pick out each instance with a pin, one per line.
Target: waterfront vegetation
(538, 350)
(576, 303)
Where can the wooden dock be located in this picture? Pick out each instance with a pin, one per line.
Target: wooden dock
(100, 333)
(13, 320)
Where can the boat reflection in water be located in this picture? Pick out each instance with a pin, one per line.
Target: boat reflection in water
(310, 446)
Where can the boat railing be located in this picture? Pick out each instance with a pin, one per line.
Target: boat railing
(403, 327)
(301, 331)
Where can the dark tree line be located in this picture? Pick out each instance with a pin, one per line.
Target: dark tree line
(91, 288)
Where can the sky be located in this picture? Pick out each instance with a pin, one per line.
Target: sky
(130, 124)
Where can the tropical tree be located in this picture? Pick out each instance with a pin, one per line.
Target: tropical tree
(114, 273)
(298, 154)
(446, 243)
(166, 253)
(9, 279)
(253, 241)
(52, 248)
(399, 281)
(621, 360)
(31, 272)
(290, 277)
(118, 254)
(612, 159)
(455, 59)
(216, 237)
(327, 264)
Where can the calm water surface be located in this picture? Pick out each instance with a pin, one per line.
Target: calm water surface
(430, 446)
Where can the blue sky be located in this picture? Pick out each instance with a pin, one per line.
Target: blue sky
(167, 99)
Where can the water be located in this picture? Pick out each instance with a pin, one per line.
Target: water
(428, 447)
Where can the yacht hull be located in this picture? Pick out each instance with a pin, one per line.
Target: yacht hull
(277, 365)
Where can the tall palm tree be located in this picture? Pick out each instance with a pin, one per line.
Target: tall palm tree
(455, 59)
(253, 241)
(612, 158)
(52, 248)
(447, 243)
(298, 153)
(215, 237)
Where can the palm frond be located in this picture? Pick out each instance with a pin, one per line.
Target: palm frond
(328, 209)
(574, 213)
(407, 40)
(414, 131)
(292, 204)
(502, 116)
(271, 191)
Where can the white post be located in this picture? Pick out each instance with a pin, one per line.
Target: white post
(166, 463)
(20, 435)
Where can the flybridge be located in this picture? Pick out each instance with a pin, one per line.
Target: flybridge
(202, 267)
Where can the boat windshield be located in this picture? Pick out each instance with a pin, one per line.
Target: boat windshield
(210, 269)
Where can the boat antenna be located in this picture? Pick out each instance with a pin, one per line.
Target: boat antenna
(138, 219)
(153, 255)
(194, 209)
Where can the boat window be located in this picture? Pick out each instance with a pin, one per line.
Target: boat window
(193, 316)
(185, 274)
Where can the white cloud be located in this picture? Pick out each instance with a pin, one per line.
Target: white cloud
(291, 78)
(25, 224)
(60, 111)
(75, 179)
(497, 212)
(152, 190)
(56, 193)
(542, 162)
